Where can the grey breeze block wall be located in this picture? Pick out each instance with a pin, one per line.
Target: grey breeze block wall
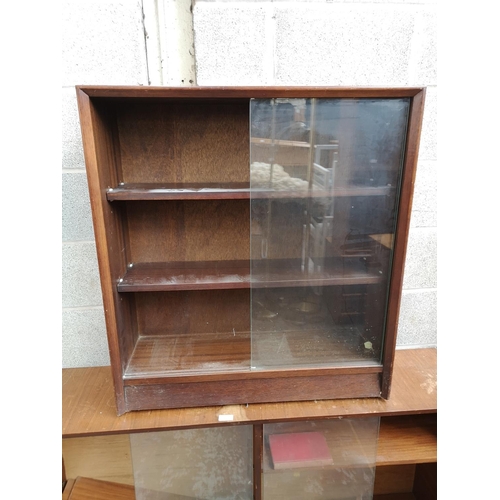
(309, 42)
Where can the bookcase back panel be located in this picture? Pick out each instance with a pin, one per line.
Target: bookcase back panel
(189, 231)
(193, 141)
(200, 311)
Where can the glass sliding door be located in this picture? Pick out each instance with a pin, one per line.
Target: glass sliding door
(324, 179)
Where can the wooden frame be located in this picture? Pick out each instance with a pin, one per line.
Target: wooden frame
(124, 230)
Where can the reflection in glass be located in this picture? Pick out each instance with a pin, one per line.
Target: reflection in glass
(325, 177)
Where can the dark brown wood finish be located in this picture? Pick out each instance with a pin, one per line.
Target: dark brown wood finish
(394, 496)
(251, 390)
(258, 442)
(188, 141)
(180, 191)
(178, 231)
(393, 482)
(401, 237)
(256, 376)
(228, 191)
(168, 173)
(426, 481)
(99, 159)
(244, 92)
(234, 274)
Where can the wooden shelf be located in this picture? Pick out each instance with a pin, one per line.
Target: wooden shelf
(179, 191)
(407, 440)
(84, 488)
(163, 276)
(401, 441)
(190, 354)
(167, 276)
(230, 191)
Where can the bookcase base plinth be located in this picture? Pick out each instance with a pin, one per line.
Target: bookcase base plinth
(250, 390)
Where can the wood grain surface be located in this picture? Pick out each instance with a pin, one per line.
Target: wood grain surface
(84, 488)
(164, 231)
(198, 141)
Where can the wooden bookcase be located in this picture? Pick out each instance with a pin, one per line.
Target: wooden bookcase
(197, 255)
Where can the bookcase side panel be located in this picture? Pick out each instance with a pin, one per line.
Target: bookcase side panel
(401, 235)
(97, 124)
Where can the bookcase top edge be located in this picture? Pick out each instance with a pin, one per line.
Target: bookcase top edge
(108, 91)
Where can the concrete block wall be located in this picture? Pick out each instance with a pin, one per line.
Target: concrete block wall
(103, 43)
(309, 42)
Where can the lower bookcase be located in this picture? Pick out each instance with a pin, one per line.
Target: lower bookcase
(342, 458)
(345, 448)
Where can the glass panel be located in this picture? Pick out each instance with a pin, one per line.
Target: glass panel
(324, 179)
(194, 464)
(332, 459)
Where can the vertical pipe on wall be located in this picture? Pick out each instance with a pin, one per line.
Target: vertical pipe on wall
(168, 28)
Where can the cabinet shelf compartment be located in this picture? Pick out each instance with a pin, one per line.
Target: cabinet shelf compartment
(171, 355)
(189, 354)
(349, 445)
(183, 238)
(186, 333)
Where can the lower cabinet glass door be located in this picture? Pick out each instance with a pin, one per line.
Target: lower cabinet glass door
(215, 463)
(320, 460)
(309, 460)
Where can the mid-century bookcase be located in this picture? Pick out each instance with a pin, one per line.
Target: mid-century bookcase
(251, 241)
